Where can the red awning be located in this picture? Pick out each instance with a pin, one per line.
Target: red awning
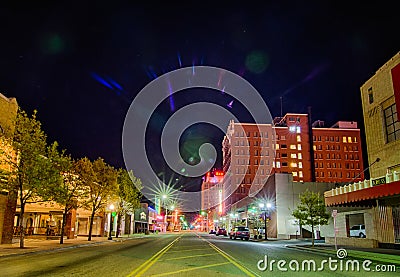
(376, 192)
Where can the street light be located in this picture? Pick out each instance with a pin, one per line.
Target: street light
(111, 221)
(268, 206)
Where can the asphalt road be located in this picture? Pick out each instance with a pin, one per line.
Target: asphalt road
(179, 254)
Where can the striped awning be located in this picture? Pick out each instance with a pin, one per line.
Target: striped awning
(376, 192)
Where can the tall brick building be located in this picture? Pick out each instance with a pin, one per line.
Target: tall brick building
(374, 203)
(310, 152)
(8, 112)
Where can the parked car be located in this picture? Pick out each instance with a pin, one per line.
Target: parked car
(240, 232)
(212, 231)
(222, 232)
(358, 231)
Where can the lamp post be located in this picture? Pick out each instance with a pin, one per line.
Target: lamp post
(267, 207)
(164, 197)
(111, 221)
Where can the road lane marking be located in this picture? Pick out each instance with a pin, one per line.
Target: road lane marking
(147, 264)
(190, 269)
(187, 257)
(232, 260)
(187, 250)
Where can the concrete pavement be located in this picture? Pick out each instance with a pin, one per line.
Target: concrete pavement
(36, 244)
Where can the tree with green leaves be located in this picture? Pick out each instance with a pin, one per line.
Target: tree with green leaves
(31, 171)
(101, 181)
(70, 191)
(128, 195)
(311, 211)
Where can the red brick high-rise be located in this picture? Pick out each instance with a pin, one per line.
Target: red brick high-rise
(251, 152)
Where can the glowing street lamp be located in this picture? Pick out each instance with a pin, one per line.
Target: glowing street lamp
(268, 206)
(111, 207)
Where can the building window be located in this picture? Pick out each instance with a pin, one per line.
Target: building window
(292, 129)
(298, 146)
(293, 164)
(344, 139)
(349, 139)
(293, 146)
(293, 155)
(370, 96)
(278, 164)
(298, 138)
(299, 156)
(301, 174)
(283, 137)
(392, 124)
(284, 155)
(277, 146)
(283, 146)
(298, 129)
(294, 173)
(284, 163)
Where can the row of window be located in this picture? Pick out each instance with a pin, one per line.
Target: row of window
(337, 165)
(335, 147)
(282, 137)
(299, 174)
(345, 139)
(256, 162)
(256, 152)
(332, 156)
(254, 134)
(291, 146)
(248, 143)
(279, 164)
(336, 174)
(292, 155)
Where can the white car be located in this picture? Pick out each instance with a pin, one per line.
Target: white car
(358, 231)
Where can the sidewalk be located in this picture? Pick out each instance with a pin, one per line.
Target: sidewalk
(32, 244)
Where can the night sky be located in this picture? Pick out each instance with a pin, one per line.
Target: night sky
(81, 65)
